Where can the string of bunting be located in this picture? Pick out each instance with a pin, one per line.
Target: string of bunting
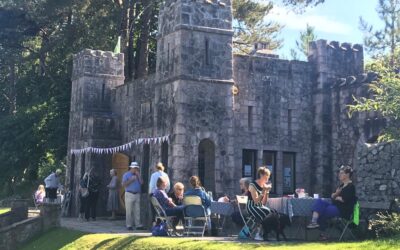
(120, 148)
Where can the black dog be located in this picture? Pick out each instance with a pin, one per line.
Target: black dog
(276, 222)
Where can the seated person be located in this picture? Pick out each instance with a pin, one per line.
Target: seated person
(40, 194)
(170, 208)
(343, 201)
(198, 190)
(244, 188)
(177, 193)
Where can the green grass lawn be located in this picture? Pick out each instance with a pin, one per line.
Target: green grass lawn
(69, 239)
(4, 210)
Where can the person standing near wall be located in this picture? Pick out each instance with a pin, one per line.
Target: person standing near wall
(159, 172)
(92, 183)
(132, 182)
(113, 199)
(52, 183)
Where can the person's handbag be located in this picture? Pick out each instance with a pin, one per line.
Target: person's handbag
(160, 229)
(244, 233)
(85, 191)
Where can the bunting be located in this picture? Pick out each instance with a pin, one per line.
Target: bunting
(124, 147)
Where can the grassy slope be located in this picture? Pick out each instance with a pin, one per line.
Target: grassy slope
(68, 239)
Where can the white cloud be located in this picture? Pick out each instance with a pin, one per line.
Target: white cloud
(295, 21)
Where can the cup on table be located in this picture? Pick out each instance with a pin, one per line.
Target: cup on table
(316, 196)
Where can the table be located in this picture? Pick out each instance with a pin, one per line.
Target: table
(222, 208)
(294, 207)
(225, 209)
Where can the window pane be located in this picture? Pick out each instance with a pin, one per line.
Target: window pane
(288, 172)
(249, 162)
(269, 160)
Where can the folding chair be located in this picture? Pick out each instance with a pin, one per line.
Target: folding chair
(161, 215)
(194, 211)
(250, 222)
(345, 224)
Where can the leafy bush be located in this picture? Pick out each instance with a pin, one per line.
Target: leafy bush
(385, 224)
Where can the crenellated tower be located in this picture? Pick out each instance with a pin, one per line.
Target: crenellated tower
(92, 123)
(194, 75)
(330, 61)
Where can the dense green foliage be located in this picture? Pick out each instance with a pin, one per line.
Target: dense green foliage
(384, 95)
(379, 42)
(38, 39)
(251, 27)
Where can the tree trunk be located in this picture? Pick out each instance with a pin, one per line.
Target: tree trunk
(142, 65)
(131, 37)
(13, 86)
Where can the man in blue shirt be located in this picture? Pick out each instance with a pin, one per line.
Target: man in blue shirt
(132, 182)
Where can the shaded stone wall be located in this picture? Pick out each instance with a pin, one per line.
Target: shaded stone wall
(280, 94)
(329, 61)
(350, 131)
(378, 172)
(92, 123)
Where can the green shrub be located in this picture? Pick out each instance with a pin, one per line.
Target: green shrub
(385, 224)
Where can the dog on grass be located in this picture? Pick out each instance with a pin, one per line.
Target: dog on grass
(276, 222)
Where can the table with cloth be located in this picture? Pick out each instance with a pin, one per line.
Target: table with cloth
(294, 207)
(222, 210)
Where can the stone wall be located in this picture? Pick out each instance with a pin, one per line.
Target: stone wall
(92, 123)
(280, 94)
(378, 172)
(329, 62)
(18, 233)
(18, 212)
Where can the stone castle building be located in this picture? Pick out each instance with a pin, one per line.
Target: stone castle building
(225, 114)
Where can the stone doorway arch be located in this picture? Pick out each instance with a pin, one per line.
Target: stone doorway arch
(120, 162)
(206, 164)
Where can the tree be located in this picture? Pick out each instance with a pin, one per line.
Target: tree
(302, 45)
(384, 95)
(251, 26)
(386, 39)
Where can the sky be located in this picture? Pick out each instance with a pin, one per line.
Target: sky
(334, 20)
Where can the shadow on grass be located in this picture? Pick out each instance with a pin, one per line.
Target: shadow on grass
(102, 243)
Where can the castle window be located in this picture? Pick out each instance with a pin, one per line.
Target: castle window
(269, 160)
(250, 118)
(249, 162)
(289, 121)
(207, 48)
(168, 58)
(172, 60)
(102, 92)
(289, 170)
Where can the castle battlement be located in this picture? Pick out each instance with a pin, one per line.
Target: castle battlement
(94, 62)
(353, 81)
(181, 14)
(340, 59)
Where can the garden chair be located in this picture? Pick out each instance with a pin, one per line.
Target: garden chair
(346, 224)
(249, 221)
(194, 211)
(161, 215)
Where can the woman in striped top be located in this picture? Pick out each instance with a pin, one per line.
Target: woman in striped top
(258, 195)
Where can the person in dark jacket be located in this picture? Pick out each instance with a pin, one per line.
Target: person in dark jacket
(92, 183)
(343, 201)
